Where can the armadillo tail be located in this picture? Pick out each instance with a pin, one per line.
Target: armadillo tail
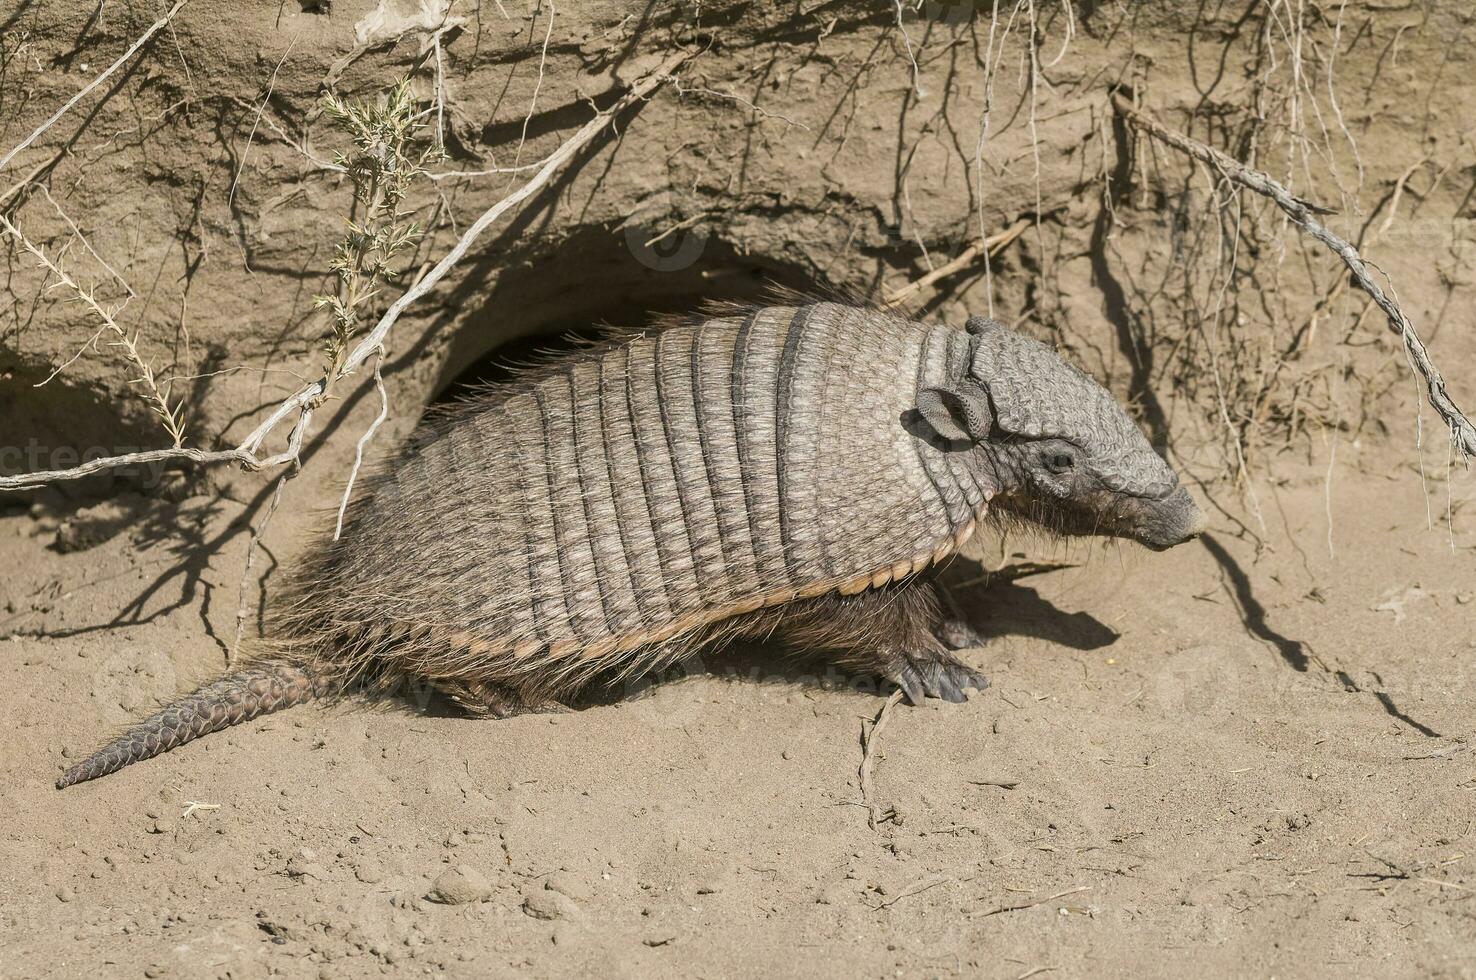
(231, 700)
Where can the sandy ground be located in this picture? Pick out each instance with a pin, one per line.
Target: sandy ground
(1206, 759)
(1245, 756)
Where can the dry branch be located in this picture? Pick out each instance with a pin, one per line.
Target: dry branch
(302, 403)
(993, 245)
(869, 735)
(1303, 213)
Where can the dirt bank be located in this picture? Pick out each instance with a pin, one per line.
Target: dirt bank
(1250, 755)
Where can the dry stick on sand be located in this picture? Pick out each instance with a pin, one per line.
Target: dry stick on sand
(1303, 213)
(994, 244)
(1018, 906)
(306, 399)
(869, 736)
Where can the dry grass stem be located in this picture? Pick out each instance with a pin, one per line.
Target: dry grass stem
(300, 405)
(869, 736)
(170, 416)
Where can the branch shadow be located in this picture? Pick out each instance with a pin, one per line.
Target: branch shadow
(1296, 654)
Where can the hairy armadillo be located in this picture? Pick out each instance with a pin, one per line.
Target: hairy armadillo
(795, 469)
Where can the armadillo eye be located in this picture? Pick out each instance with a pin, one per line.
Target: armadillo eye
(1059, 462)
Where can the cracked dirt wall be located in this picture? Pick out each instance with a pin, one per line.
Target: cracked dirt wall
(802, 146)
(1250, 757)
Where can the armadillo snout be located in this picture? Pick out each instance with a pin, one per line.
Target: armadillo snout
(1170, 521)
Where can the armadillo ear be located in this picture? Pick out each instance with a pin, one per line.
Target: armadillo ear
(956, 414)
(980, 325)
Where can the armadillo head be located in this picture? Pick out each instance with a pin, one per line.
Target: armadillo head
(1062, 451)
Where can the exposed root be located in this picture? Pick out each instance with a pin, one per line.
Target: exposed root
(300, 405)
(990, 247)
(1304, 215)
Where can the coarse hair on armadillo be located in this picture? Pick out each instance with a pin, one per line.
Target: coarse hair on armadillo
(665, 493)
(611, 511)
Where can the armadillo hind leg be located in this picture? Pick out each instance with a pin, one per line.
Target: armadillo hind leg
(483, 699)
(231, 700)
(892, 631)
(955, 633)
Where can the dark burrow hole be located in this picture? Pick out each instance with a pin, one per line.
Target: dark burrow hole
(598, 279)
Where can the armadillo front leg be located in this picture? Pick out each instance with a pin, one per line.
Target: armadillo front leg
(891, 631)
(954, 630)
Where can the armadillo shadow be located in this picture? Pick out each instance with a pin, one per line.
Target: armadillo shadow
(995, 609)
(1003, 606)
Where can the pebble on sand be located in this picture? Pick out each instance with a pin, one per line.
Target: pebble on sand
(461, 885)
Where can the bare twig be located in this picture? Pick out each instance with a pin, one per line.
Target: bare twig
(301, 404)
(39, 478)
(251, 548)
(363, 441)
(267, 97)
(264, 116)
(538, 85)
(195, 806)
(907, 43)
(991, 246)
(454, 174)
(1017, 906)
(869, 736)
(1303, 213)
(917, 890)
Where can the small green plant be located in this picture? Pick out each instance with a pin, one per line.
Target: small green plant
(388, 156)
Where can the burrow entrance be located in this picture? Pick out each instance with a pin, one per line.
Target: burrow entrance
(596, 279)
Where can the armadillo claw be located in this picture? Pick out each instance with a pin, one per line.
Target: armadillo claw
(947, 680)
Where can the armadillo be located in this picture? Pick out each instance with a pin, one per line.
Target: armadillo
(798, 470)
